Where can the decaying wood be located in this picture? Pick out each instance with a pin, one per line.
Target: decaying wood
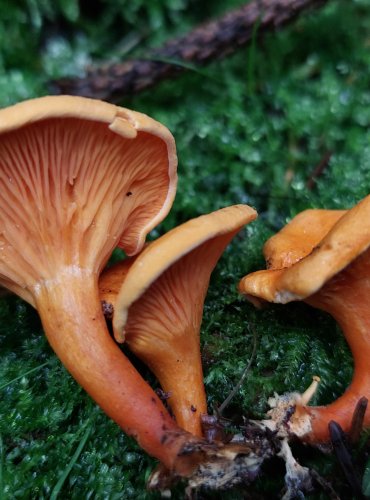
(206, 43)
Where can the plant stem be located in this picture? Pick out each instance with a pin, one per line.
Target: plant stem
(236, 388)
(24, 375)
(67, 470)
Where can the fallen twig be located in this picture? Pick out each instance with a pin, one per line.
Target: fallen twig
(210, 41)
(318, 170)
(236, 388)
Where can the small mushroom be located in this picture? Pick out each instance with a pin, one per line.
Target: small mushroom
(329, 268)
(158, 300)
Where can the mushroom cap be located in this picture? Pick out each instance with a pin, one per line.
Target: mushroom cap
(346, 239)
(77, 178)
(170, 248)
(299, 237)
(111, 279)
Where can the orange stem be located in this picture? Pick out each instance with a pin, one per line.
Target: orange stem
(71, 314)
(349, 305)
(180, 374)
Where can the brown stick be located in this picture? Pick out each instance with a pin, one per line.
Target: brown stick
(318, 170)
(211, 41)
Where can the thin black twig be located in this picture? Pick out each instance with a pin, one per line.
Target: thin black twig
(236, 388)
(318, 170)
(325, 485)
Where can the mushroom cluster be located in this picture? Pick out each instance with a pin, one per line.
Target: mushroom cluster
(322, 257)
(77, 178)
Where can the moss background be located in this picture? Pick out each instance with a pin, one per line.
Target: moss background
(249, 129)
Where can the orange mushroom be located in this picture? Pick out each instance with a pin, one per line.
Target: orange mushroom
(78, 177)
(326, 264)
(158, 300)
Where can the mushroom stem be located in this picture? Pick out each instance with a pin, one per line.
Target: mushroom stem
(74, 324)
(310, 391)
(349, 305)
(70, 311)
(189, 383)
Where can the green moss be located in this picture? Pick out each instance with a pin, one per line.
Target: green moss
(249, 129)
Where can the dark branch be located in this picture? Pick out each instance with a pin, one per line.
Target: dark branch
(206, 43)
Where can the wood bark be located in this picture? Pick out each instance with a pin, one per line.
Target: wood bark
(210, 41)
